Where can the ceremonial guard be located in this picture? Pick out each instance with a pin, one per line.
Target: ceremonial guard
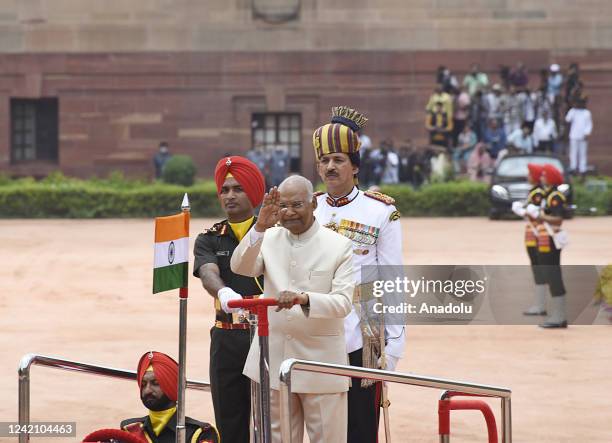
(551, 239)
(241, 187)
(534, 201)
(371, 221)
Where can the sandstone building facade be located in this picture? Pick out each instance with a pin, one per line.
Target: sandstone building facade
(92, 86)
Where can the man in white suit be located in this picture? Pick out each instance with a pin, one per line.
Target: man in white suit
(302, 262)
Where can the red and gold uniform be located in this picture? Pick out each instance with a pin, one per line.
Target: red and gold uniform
(549, 256)
(535, 197)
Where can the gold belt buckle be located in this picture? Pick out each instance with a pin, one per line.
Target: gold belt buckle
(238, 317)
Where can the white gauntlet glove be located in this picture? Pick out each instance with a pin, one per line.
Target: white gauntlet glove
(391, 362)
(225, 295)
(533, 211)
(518, 209)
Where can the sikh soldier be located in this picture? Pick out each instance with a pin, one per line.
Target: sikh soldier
(549, 253)
(371, 222)
(535, 197)
(240, 187)
(158, 383)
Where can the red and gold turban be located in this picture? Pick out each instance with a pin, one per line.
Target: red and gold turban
(246, 173)
(535, 171)
(552, 174)
(341, 134)
(165, 370)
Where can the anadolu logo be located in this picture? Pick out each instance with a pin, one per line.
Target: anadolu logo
(171, 252)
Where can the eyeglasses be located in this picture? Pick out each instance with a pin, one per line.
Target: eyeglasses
(292, 205)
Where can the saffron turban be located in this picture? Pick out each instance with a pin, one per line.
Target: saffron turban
(535, 171)
(246, 173)
(552, 174)
(341, 135)
(165, 370)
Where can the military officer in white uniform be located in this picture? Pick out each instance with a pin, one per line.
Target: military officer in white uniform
(371, 221)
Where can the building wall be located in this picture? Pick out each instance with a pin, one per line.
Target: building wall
(327, 25)
(129, 73)
(115, 108)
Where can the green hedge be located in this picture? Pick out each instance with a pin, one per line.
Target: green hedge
(179, 170)
(60, 197)
(462, 198)
(83, 202)
(593, 200)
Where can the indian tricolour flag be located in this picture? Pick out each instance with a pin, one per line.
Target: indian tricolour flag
(171, 252)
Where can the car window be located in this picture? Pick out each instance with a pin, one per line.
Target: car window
(517, 166)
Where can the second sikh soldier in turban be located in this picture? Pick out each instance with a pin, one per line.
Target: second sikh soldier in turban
(240, 186)
(371, 221)
(535, 197)
(157, 376)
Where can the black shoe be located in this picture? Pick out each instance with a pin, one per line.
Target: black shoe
(535, 313)
(552, 325)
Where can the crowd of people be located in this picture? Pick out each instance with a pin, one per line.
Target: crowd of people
(473, 124)
(387, 165)
(478, 123)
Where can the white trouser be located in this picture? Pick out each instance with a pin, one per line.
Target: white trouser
(325, 416)
(578, 155)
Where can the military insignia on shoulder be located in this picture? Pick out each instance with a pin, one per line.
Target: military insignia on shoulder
(395, 215)
(318, 194)
(380, 197)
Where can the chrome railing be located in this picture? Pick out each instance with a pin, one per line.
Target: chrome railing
(68, 365)
(395, 377)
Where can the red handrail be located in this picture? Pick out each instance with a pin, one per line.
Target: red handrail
(450, 404)
(260, 307)
(249, 303)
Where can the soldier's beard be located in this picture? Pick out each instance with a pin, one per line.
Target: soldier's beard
(157, 404)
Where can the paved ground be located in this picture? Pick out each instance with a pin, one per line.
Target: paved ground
(81, 290)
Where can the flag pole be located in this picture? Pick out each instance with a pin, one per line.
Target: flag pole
(183, 294)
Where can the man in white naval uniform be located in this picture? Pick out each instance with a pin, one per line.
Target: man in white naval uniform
(371, 221)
